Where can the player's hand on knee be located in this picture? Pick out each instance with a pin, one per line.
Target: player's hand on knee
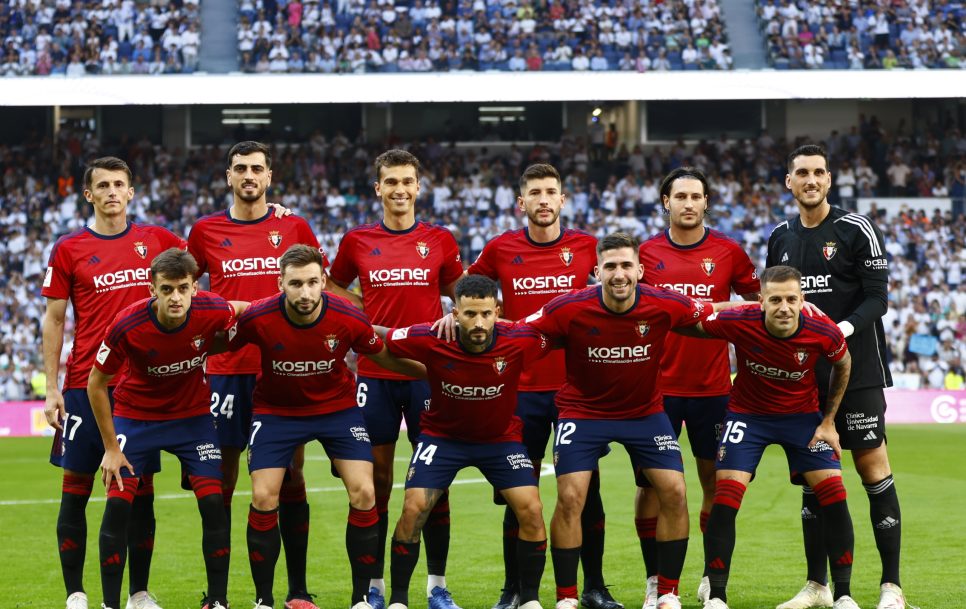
(54, 409)
(111, 465)
(826, 433)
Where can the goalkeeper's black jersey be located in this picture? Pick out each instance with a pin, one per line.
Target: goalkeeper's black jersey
(846, 274)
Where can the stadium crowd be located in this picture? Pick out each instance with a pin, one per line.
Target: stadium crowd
(472, 191)
(864, 35)
(111, 37)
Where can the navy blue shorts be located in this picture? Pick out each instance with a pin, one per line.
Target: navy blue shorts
(745, 437)
(231, 407)
(650, 442)
(274, 438)
(79, 447)
(702, 418)
(538, 412)
(436, 462)
(860, 420)
(193, 440)
(385, 402)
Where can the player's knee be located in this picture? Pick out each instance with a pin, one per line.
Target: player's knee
(362, 495)
(264, 499)
(570, 502)
(530, 517)
(673, 497)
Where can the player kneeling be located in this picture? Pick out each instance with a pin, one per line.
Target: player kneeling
(775, 401)
(471, 422)
(306, 392)
(161, 403)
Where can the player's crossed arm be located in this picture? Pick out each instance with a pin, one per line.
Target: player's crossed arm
(114, 460)
(392, 363)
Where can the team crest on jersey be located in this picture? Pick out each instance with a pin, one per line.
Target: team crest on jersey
(422, 249)
(707, 266)
(829, 250)
(197, 342)
(800, 356)
(499, 364)
(275, 238)
(566, 255)
(140, 249)
(332, 342)
(643, 328)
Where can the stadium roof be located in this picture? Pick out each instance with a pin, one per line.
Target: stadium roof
(480, 86)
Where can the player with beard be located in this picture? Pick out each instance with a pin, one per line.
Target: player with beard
(533, 265)
(239, 248)
(708, 266)
(845, 272)
(100, 269)
(403, 267)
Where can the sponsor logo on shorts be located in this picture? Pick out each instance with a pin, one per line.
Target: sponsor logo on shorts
(667, 443)
(820, 447)
(519, 461)
(857, 421)
(208, 452)
(359, 433)
(870, 436)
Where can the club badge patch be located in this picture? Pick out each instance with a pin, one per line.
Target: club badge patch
(275, 238)
(566, 255)
(140, 249)
(422, 249)
(829, 250)
(707, 266)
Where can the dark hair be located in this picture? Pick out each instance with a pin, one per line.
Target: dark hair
(250, 147)
(395, 158)
(299, 255)
(475, 286)
(538, 171)
(687, 173)
(111, 163)
(173, 264)
(616, 241)
(778, 274)
(806, 150)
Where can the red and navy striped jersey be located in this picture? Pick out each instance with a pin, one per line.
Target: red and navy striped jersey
(165, 375)
(101, 275)
(709, 271)
(613, 359)
(474, 395)
(776, 375)
(241, 258)
(401, 274)
(303, 369)
(530, 275)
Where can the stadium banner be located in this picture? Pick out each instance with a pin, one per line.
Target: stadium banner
(25, 419)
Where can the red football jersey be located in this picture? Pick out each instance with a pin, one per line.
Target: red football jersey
(474, 395)
(707, 271)
(776, 375)
(165, 375)
(303, 369)
(401, 274)
(530, 275)
(613, 359)
(101, 275)
(241, 258)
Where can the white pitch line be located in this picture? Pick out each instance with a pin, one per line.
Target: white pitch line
(545, 470)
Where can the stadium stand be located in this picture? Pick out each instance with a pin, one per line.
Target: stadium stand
(859, 35)
(472, 191)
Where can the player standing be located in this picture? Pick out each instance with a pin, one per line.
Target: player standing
(708, 266)
(471, 422)
(775, 401)
(159, 345)
(534, 265)
(842, 258)
(305, 392)
(403, 266)
(614, 336)
(100, 269)
(239, 248)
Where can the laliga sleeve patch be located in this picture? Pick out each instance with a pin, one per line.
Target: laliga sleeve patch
(400, 333)
(102, 353)
(534, 316)
(232, 332)
(48, 276)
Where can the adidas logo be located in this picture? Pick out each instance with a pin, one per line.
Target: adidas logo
(449, 366)
(376, 252)
(279, 347)
(785, 257)
(226, 242)
(113, 559)
(517, 260)
(887, 523)
(69, 544)
(660, 266)
(871, 436)
(807, 514)
(845, 559)
(367, 559)
(593, 331)
(717, 563)
(93, 260)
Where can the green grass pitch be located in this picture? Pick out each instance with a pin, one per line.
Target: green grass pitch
(929, 463)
